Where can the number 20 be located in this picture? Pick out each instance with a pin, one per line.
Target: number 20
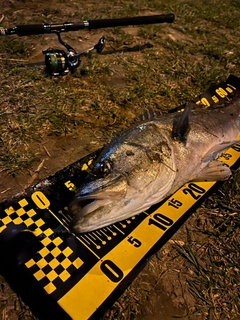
(194, 190)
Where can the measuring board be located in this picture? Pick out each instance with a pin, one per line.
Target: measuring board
(69, 276)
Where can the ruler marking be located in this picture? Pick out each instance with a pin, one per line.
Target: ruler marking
(91, 235)
(113, 233)
(85, 239)
(103, 242)
(108, 237)
(123, 225)
(118, 229)
(88, 248)
(90, 240)
(59, 220)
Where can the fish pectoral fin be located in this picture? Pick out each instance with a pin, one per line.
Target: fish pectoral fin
(218, 150)
(181, 124)
(214, 171)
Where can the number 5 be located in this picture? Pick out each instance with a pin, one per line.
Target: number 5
(135, 242)
(70, 185)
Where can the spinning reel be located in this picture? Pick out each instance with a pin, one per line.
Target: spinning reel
(59, 62)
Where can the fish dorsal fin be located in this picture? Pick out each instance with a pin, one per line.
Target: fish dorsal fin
(214, 171)
(150, 114)
(218, 150)
(181, 124)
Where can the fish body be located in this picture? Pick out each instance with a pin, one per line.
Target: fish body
(146, 164)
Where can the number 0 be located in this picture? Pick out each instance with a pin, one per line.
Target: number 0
(40, 200)
(111, 270)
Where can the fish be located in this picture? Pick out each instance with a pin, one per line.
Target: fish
(151, 160)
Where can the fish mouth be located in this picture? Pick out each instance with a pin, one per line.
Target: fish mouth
(87, 214)
(82, 206)
(95, 208)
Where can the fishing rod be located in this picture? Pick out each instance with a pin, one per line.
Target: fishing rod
(59, 61)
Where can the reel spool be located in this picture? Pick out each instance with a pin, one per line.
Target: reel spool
(58, 62)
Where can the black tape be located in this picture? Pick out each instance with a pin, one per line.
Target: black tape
(234, 81)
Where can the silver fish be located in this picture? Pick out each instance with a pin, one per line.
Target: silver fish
(151, 161)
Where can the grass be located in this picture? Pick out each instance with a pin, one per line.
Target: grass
(215, 263)
(155, 67)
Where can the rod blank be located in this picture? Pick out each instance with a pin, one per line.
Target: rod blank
(108, 23)
(33, 29)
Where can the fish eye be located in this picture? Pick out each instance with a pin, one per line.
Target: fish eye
(102, 169)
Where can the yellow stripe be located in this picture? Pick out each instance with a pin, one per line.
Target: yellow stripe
(93, 289)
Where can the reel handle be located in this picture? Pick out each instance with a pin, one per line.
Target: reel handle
(33, 29)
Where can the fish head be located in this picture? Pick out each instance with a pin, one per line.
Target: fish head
(125, 180)
(95, 203)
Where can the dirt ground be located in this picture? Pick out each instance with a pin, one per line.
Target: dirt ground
(48, 123)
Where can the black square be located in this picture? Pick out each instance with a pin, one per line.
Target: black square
(57, 282)
(24, 216)
(47, 269)
(37, 257)
(49, 257)
(72, 256)
(35, 217)
(60, 257)
(44, 227)
(32, 227)
(51, 246)
(44, 281)
(59, 269)
(3, 215)
(14, 215)
(34, 268)
(71, 269)
(62, 246)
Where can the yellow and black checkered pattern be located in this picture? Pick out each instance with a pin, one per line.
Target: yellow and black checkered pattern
(54, 265)
(55, 262)
(22, 216)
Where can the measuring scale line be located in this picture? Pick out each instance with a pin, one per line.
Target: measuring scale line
(91, 240)
(118, 229)
(123, 225)
(82, 237)
(64, 216)
(65, 222)
(59, 220)
(91, 235)
(103, 242)
(88, 247)
(102, 238)
(108, 237)
(113, 233)
(88, 239)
